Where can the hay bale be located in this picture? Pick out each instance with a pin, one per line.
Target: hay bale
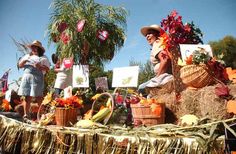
(202, 102)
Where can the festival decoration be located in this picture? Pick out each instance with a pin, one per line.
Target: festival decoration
(68, 62)
(102, 35)
(65, 38)
(62, 26)
(22, 138)
(64, 110)
(175, 32)
(80, 25)
(215, 69)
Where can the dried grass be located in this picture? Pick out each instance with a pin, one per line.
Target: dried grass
(202, 102)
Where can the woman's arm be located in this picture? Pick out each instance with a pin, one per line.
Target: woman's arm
(23, 60)
(164, 62)
(22, 63)
(41, 67)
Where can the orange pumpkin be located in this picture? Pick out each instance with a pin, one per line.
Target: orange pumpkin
(231, 106)
(156, 108)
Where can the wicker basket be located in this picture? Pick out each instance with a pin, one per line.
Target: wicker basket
(65, 117)
(112, 107)
(196, 76)
(144, 115)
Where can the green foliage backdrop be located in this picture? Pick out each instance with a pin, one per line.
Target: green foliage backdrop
(225, 50)
(84, 46)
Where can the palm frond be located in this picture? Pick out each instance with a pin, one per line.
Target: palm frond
(21, 46)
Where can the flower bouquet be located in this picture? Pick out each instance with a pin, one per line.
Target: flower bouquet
(175, 32)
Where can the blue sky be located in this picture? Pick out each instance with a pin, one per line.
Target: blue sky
(28, 19)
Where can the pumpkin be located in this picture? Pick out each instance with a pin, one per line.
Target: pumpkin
(231, 106)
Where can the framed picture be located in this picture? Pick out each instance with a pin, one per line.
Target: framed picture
(101, 82)
(188, 49)
(80, 76)
(125, 76)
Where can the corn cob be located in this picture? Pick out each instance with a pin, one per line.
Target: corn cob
(101, 115)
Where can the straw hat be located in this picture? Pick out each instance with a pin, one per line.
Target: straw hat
(37, 44)
(145, 29)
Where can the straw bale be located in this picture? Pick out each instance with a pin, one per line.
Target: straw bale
(202, 102)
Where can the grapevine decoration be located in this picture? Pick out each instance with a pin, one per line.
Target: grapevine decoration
(90, 32)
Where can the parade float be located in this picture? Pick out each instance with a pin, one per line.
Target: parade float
(194, 113)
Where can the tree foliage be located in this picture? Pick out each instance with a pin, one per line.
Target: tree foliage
(49, 80)
(225, 50)
(84, 46)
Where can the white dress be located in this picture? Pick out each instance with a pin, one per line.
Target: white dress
(64, 78)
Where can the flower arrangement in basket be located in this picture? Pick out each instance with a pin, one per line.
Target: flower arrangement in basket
(201, 70)
(63, 109)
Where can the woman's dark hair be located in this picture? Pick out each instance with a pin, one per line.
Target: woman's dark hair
(154, 32)
(40, 51)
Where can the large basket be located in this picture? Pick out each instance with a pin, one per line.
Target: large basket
(105, 121)
(65, 117)
(144, 115)
(196, 76)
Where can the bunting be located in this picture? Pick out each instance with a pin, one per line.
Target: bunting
(4, 81)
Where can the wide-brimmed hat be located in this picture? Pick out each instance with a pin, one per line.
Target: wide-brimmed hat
(145, 29)
(37, 44)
